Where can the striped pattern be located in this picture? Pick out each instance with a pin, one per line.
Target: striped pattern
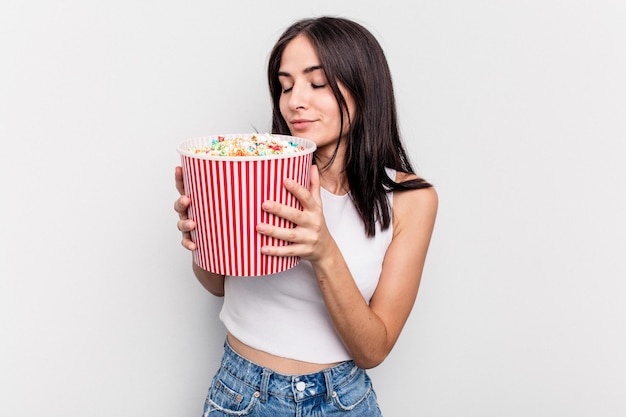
(226, 196)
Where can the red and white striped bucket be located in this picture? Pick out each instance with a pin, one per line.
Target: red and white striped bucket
(226, 195)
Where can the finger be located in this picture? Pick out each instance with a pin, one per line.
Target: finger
(283, 211)
(186, 225)
(188, 243)
(290, 235)
(181, 205)
(286, 250)
(303, 195)
(178, 176)
(315, 184)
(309, 201)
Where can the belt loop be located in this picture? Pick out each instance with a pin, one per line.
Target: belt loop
(265, 380)
(328, 378)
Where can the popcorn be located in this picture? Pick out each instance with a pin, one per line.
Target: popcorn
(256, 145)
(227, 192)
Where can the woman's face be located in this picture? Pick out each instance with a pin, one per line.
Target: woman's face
(307, 103)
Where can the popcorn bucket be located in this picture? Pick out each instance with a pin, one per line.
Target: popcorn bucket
(226, 194)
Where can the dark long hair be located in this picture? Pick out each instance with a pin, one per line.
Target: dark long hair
(351, 55)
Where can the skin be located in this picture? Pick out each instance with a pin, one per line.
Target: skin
(369, 332)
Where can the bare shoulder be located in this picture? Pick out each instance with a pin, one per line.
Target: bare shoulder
(414, 207)
(424, 196)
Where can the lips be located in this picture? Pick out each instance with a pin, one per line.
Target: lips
(300, 124)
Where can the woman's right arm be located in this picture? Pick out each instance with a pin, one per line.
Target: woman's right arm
(212, 282)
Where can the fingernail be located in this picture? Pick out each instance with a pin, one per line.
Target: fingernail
(289, 182)
(267, 205)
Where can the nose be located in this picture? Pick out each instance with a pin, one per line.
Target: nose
(299, 97)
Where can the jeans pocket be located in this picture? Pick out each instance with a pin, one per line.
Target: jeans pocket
(353, 392)
(234, 399)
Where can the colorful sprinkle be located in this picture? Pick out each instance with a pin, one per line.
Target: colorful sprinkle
(256, 145)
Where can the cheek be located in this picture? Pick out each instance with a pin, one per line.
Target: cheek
(282, 107)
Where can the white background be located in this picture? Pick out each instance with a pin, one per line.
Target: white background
(516, 111)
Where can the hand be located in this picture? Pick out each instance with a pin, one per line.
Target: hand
(310, 239)
(185, 225)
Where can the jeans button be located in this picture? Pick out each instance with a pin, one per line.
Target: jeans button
(300, 386)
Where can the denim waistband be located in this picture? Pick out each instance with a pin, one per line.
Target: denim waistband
(297, 387)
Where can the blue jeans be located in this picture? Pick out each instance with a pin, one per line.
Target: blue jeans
(243, 388)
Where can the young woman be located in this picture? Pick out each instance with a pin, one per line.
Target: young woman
(299, 341)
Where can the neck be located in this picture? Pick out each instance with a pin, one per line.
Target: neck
(334, 180)
(332, 177)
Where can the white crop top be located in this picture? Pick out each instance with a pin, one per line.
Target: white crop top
(284, 314)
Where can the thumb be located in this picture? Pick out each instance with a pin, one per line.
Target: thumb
(314, 186)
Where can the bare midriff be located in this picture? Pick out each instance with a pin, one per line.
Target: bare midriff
(278, 364)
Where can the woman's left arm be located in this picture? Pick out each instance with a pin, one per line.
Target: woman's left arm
(413, 222)
(369, 332)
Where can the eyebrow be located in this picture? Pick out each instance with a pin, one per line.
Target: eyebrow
(307, 70)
